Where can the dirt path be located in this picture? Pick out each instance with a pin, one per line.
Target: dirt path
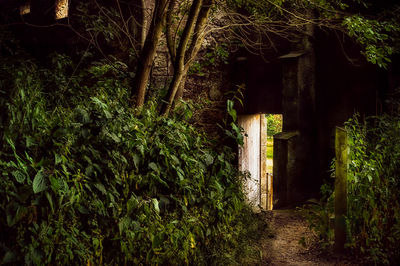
(289, 242)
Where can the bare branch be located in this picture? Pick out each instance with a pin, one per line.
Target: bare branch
(199, 34)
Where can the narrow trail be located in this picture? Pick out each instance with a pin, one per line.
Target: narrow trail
(290, 242)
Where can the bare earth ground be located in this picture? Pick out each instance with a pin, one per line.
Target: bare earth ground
(290, 242)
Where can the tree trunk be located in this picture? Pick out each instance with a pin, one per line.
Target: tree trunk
(195, 25)
(148, 52)
(179, 92)
(143, 26)
(173, 87)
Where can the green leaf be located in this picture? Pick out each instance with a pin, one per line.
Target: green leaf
(19, 176)
(115, 138)
(233, 114)
(39, 182)
(107, 114)
(101, 187)
(141, 149)
(123, 225)
(131, 204)
(175, 159)
(136, 160)
(153, 166)
(158, 178)
(57, 158)
(11, 143)
(229, 104)
(155, 203)
(98, 102)
(180, 173)
(50, 199)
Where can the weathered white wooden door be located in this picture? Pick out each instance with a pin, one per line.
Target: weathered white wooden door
(250, 157)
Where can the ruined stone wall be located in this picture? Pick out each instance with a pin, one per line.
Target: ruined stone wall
(207, 89)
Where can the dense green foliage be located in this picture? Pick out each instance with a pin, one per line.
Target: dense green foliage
(374, 187)
(274, 124)
(380, 38)
(86, 179)
(373, 220)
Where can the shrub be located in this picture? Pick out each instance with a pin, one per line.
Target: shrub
(373, 219)
(86, 180)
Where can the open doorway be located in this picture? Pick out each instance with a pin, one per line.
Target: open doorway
(274, 126)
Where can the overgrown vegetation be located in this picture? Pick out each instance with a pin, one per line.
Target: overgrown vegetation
(373, 220)
(87, 180)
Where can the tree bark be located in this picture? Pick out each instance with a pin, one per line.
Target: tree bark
(171, 44)
(148, 52)
(179, 92)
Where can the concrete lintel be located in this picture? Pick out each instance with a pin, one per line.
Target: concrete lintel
(286, 135)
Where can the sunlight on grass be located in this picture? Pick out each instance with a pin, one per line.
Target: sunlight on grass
(270, 148)
(270, 154)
